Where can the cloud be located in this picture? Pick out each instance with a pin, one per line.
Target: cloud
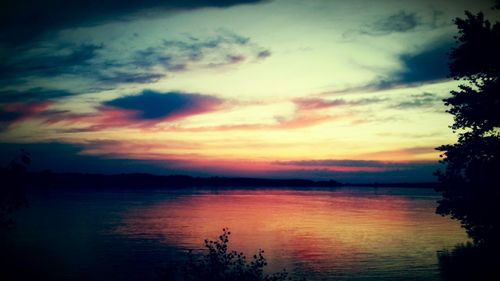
(418, 173)
(386, 165)
(16, 106)
(317, 103)
(146, 65)
(399, 22)
(222, 48)
(421, 100)
(48, 61)
(404, 153)
(83, 61)
(145, 110)
(195, 45)
(64, 157)
(14, 112)
(430, 64)
(32, 95)
(150, 105)
(153, 56)
(121, 77)
(361, 171)
(233, 59)
(23, 21)
(308, 113)
(264, 54)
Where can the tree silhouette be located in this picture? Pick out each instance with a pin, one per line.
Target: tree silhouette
(471, 179)
(11, 193)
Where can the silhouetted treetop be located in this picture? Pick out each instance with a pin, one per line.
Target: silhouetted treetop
(476, 57)
(476, 60)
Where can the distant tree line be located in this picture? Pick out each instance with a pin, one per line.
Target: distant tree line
(138, 180)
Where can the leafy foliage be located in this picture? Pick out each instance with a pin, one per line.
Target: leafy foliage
(470, 179)
(222, 264)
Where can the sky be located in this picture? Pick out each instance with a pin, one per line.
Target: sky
(345, 90)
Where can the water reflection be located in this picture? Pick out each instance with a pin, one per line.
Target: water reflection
(354, 234)
(469, 262)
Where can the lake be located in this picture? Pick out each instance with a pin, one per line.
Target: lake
(321, 234)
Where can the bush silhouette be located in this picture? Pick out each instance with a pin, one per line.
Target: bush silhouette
(221, 264)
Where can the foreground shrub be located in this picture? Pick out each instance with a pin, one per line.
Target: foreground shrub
(221, 264)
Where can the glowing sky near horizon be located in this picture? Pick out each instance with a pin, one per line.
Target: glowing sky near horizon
(314, 89)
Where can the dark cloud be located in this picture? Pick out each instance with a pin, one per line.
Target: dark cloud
(22, 21)
(87, 61)
(232, 59)
(264, 54)
(153, 56)
(152, 105)
(83, 61)
(144, 110)
(32, 95)
(429, 65)
(7, 117)
(19, 105)
(52, 61)
(400, 22)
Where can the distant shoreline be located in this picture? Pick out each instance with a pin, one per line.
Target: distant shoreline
(140, 180)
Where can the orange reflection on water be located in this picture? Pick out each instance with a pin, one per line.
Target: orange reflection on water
(313, 231)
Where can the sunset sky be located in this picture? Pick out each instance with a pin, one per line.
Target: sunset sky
(346, 90)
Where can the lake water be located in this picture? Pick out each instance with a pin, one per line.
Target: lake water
(321, 234)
